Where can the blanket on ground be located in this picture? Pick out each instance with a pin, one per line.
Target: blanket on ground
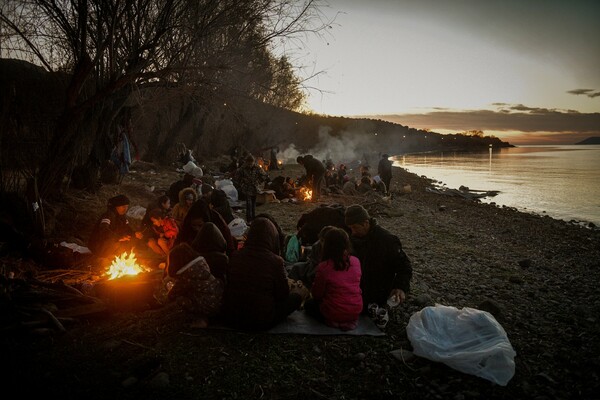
(301, 323)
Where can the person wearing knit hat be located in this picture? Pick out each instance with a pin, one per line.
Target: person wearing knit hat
(195, 288)
(112, 234)
(386, 269)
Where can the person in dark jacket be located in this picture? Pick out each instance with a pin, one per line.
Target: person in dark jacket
(384, 170)
(211, 245)
(200, 213)
(177, 186)
(220, 203)
(112, 234)
(386, 269)
(315, 171)
(257, 295)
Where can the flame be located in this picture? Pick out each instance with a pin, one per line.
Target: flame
(306, 193)
(280, 162)
(125, 264)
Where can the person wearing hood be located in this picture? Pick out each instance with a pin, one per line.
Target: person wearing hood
(187, 197)
(195, 289)
(199, 214)
(112, 234)
(211, 245)
(258, 295)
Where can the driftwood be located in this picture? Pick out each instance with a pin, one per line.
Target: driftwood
(465, 194)
(40, 307)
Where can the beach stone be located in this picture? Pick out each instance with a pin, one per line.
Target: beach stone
(492, 307)
(160, 380)
(424, 300)
(525, 263)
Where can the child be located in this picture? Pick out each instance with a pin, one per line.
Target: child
(165, 232)
(336, 294)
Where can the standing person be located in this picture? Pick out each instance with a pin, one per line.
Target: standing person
(257, 295)
(248, 177)
(336, 295)
(386, 269)
(384, 170)
(112, 233)
(315, 171)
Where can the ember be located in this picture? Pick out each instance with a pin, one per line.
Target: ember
(125, 264)
(306, 193)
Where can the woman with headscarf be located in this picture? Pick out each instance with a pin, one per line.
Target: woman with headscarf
(211, 245)
(199, 214)
(257, 295)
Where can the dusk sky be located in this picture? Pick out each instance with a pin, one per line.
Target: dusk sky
(527, 71)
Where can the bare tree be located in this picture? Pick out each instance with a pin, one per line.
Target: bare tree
(110, 48)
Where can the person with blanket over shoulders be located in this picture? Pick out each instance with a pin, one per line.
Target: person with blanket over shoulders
(386, 269)
(257, 295)
(195, 288)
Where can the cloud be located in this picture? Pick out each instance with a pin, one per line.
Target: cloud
(588, 92)
(507, 117)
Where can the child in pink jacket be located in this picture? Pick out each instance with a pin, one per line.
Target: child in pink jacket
(336, 295)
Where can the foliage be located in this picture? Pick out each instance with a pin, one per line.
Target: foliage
(116, 51)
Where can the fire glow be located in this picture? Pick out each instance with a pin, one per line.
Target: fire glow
(125, 264)
(306, 193)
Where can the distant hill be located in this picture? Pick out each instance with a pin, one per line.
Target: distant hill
(590, 140)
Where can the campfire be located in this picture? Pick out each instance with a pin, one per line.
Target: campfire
(305, 193)
(128, 285)
(124, 265)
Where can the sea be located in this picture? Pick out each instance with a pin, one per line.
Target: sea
(561, 181)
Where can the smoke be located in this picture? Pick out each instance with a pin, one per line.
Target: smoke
(346, 147)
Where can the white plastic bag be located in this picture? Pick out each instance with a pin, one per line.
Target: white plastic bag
(227, 186)
(468, 340)
(237, 227)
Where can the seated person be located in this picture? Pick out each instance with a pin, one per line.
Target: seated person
(365, 185)
(195, 289)
(187, 197)
(379, 185)
(220, 203)
(258, 295)
(200, 213)
(211, 245)
(177, 186)
(305, 271)
(163, 203)
(336, 294)
(165, 232)
(112, 234)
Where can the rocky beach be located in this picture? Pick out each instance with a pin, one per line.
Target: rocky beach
(536, 275)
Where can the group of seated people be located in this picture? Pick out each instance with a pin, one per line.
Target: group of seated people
(245, 283)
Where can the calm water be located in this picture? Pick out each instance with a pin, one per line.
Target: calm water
(560, 181)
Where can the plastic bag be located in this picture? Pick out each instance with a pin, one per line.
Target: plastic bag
(468, 340)
(238, 227)
(227, 186)
(292, 251)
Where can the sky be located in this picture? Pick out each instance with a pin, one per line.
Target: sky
(526, 71)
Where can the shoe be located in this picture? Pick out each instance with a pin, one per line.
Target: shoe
(382, 318)
(372, 310)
